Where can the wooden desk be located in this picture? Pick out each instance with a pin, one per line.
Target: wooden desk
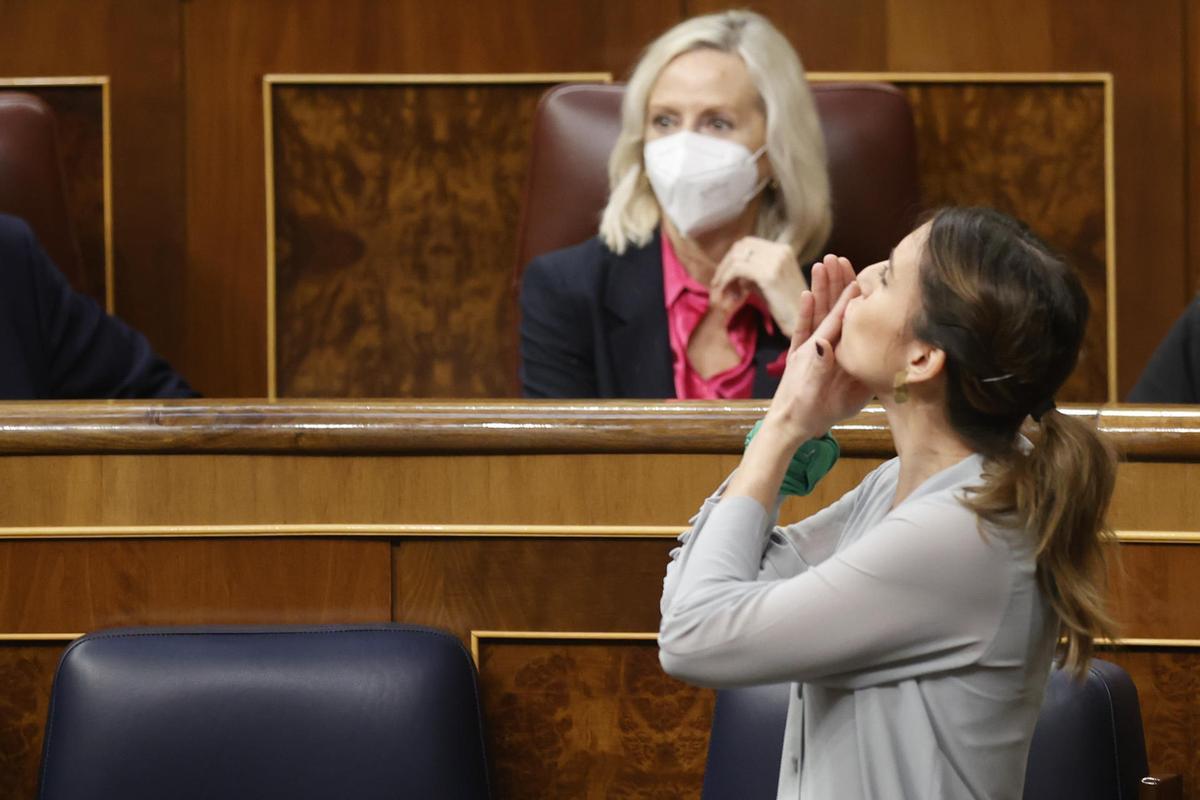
(537, 532)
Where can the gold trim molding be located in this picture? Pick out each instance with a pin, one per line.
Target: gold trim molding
(102, 81)
(1103, 79)
(478, 637)
(428, 530)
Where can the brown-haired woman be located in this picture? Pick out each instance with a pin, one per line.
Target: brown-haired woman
(919, 613)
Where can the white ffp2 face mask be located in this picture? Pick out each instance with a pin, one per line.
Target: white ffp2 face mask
(700, 181)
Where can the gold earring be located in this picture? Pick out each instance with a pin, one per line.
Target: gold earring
(900, 386)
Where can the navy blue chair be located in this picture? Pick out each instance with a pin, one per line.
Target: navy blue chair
(1088, 743)
(357, 711)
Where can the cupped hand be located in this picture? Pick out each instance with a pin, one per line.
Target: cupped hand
(815, 392)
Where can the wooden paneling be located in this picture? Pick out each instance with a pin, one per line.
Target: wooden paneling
(1141, 44)
(602, 718)
(530, 584)
(1035, 151)
(395, 233)
(575, 716)
(26, 673)
(137, 43)
(1155, 591)
(72, 586)
(225, 276)
(1168, 686)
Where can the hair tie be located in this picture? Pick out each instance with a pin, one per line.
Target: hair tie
(811, 462)
(1043, 408)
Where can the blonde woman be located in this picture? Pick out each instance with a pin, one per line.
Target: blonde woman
(917, 615)
(718, 190)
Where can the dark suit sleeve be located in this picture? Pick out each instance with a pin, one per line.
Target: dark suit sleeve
(86, 352)
(557, 349)
(1173, 374)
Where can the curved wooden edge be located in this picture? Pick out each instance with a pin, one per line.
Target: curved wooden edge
(485, 427)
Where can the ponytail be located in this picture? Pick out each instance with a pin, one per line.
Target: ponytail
(1060, 492)
(1010, 316)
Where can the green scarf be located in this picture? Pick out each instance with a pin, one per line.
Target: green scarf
(810, 463)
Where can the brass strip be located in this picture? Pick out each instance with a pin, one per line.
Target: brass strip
(58, 80)
(1110, 235)
(364, 79)
(428, 530)
(1161, 644)
(269, 172)
(962, 77)
(39, 637)
(342, 530)
(110, 291)
(1158, 537)
(549, 636)
(428, 78)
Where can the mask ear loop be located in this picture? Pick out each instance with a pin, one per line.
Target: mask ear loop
(761, 184)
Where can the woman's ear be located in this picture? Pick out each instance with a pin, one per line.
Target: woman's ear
(925, 363)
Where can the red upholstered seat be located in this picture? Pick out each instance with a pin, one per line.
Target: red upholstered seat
(31, 179)
(872, 166)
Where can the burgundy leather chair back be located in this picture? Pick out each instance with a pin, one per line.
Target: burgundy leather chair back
(869, 137)
(31, 179)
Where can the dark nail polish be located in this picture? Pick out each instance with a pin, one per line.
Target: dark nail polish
(820, 350)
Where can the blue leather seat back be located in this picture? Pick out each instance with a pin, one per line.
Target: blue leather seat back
(373, 711)
(1088, 743)
(746, 743)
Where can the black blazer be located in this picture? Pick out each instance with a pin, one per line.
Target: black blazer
(58, 344)
(1173, 374)
(594, 325)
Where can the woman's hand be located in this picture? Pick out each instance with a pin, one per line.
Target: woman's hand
(771, 269)
(815, 392)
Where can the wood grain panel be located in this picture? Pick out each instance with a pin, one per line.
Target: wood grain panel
(591, 720)
(26, 674)
(70, 586)
(1155, 591)
(225, 322)
(1168, 686)
(396, 215)
(1035, 151)
(233, 490)
(530, 584)
(1142, 44)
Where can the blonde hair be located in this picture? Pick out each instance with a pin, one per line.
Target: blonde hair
(796, 208)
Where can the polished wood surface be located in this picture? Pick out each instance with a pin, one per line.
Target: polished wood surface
(536, 531)
(395, 218)
(1035, 151)
(1144, 45)
(1141, 433)
(604, 719)
(25, 675)
(225, 328)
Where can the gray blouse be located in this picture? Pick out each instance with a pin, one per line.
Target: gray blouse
(920, 644)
